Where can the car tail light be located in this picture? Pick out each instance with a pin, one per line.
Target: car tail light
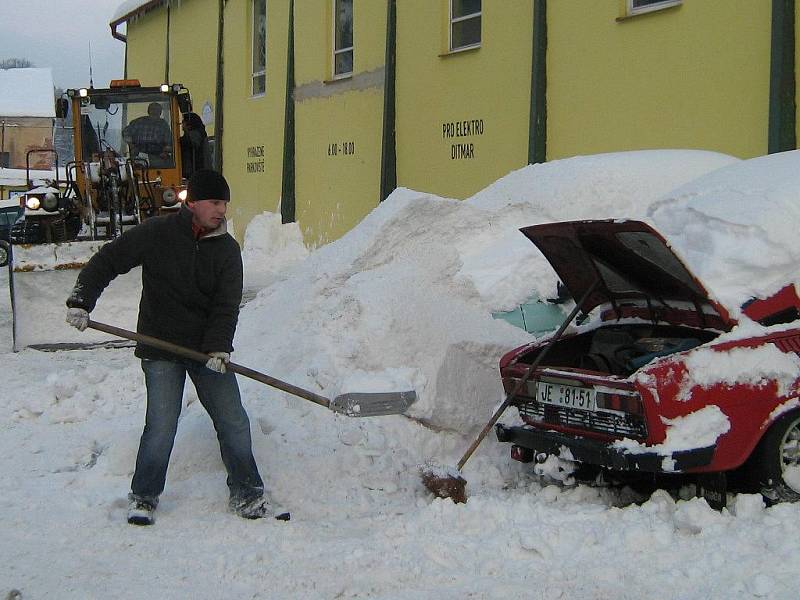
(510, 384)
(521, 454)
(620, 401)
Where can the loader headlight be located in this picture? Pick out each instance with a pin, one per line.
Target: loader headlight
(164, 87)
(183, 194)
(169, 197)
(50, 202)
(32, 203)
(83, 92)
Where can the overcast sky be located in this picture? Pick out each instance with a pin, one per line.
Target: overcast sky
(57, 34)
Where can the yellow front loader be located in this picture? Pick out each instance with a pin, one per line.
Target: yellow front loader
(127, 167)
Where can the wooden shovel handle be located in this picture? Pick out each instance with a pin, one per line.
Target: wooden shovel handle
(203, 358)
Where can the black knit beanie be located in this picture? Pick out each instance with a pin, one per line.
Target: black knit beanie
(207, 185)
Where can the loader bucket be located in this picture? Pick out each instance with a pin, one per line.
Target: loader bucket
(41, 278)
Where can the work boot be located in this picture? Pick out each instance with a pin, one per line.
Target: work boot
(140, 511)
(257, 508)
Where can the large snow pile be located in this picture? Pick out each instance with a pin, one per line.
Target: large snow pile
(269, 248)
(403, 301)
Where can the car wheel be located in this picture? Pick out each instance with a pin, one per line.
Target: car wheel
(776, 461)
(4, 253)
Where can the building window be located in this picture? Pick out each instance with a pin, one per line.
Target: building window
(342, 38)
(637, 7)
(259, 47)
(465, 24)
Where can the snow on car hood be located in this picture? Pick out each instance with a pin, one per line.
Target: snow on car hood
(628, 260)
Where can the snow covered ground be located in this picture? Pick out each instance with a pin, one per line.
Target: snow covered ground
(402, 301)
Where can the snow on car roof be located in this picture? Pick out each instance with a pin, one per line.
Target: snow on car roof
(736, 227)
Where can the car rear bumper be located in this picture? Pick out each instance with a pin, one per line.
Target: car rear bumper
(599, 453)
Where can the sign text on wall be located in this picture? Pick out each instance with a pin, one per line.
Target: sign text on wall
(341, 149)
(257, 153)
(452, 130)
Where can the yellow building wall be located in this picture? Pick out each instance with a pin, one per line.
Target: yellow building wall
(191, 63)
(253, 126)
(797, 73)
(146, 48)
(19, 135)
(338, 123)
(193, 54)
(693, 76)
(462, 118)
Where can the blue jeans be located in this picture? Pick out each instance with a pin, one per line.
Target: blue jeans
(219, 395)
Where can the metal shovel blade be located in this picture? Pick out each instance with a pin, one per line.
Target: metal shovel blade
(373, 404)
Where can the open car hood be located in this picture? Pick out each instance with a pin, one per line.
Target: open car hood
(635, 267)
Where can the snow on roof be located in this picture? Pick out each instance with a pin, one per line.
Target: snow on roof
(127, 8)
(26, 93)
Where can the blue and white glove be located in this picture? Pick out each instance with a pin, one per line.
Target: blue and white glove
(218, 361)
(78, 318)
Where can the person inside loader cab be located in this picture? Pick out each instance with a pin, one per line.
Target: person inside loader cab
(195, 150)
(191, 290)
(150, 135)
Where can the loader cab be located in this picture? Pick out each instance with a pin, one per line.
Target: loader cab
(127, 152)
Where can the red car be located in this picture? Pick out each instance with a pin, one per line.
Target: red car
(653, 379)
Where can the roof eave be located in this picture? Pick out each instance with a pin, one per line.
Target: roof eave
(126, 17)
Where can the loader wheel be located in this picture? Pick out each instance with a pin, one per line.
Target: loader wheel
(5, 252)
(775, 463)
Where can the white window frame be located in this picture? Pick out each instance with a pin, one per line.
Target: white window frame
(660, 5)
(254, 74)
(451, 21)
(337, 51)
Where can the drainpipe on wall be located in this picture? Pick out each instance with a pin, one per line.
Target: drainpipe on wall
(782, 85)
(220, 93)
(288, 176)
(389, 140)
(166, 52)
(537, 126)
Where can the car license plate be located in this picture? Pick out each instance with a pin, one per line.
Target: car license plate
(570, 396)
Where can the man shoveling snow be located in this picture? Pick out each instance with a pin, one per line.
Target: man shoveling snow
(192, 288)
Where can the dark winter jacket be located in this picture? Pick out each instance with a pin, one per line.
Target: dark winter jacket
(195, 152)
(191, 289)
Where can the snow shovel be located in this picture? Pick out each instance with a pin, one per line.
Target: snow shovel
(447, 482)
(352, 404)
